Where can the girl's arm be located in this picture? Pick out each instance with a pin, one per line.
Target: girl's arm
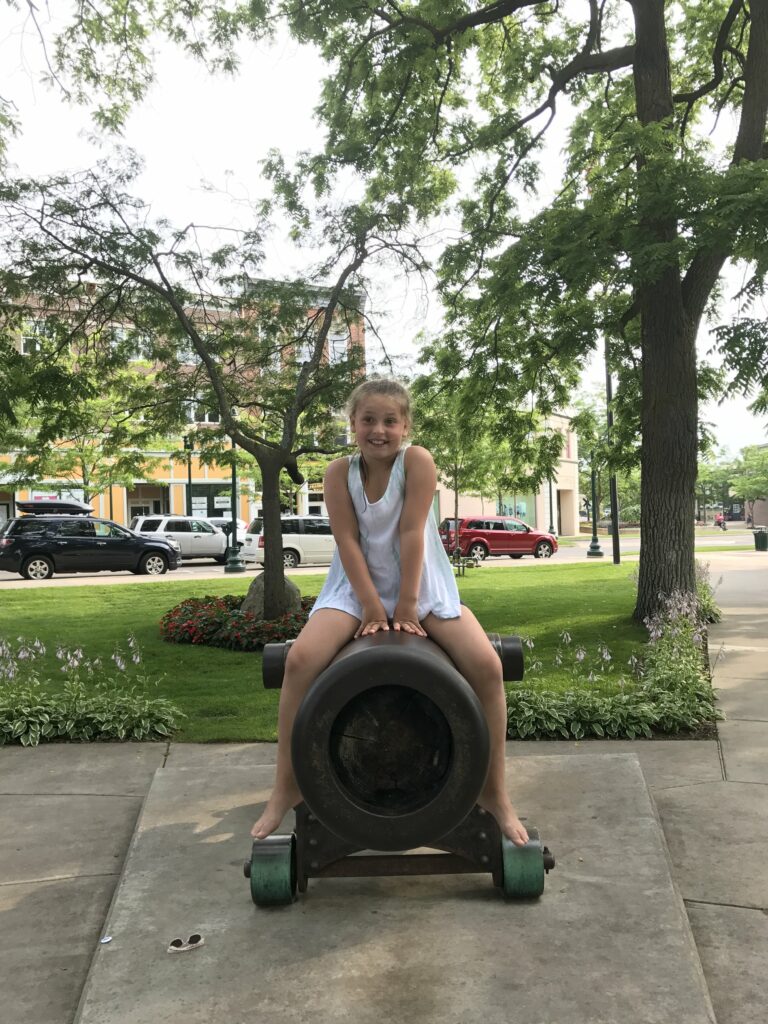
(420, 486)
(341, 512)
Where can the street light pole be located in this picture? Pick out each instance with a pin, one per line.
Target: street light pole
(551, 517)
(234, 561)
(594, 550)
(188, 449)
(612, 490)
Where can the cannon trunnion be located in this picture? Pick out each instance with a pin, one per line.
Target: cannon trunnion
(390, 750)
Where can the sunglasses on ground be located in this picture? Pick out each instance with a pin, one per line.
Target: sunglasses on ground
(181, 945)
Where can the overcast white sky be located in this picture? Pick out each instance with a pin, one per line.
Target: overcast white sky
(193, 129)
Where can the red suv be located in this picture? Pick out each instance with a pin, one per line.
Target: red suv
(496, 535)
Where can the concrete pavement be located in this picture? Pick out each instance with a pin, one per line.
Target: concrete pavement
(67, 815)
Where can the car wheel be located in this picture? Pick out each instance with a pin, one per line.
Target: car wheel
(221, 559)
(153, 564)
(38, 567)
(479, 551)
(290, 559)
(543, 549)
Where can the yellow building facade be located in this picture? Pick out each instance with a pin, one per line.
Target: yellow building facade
(170, 486)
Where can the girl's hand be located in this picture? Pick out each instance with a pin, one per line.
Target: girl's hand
(406, 619)
(374, 620)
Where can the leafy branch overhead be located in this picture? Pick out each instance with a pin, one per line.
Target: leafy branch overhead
(447, 108)
(271, 361)
(429, 102)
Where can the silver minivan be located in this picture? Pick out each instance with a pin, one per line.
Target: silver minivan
(306, 539)
(196, 537)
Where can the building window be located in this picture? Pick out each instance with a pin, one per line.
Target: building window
(338, 345)
(304, 351)
(33, 332)
(135, 343)
(198, 412)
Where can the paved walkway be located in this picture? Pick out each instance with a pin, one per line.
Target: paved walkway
(67, 814)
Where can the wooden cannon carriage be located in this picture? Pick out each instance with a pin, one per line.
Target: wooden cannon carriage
(390, 749)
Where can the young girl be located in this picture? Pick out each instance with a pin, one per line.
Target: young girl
(389, 564)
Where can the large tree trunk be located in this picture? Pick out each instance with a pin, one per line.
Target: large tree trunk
(668, 453)
(668, 343)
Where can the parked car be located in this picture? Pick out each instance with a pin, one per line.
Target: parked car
(196, 537)
(481, 536)
(40, 544)
(224, 523)
(305, 539)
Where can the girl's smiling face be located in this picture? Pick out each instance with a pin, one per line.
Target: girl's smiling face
(379, 426)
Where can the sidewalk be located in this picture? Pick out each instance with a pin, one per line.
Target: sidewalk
(67, 814)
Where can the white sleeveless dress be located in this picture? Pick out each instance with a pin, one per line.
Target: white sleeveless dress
(379, 527)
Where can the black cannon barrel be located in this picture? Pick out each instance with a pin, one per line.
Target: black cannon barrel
(390, 746)
(508, 648)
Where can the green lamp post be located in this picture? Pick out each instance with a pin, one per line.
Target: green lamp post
(188, 449)
(594, 550)
(234, 561)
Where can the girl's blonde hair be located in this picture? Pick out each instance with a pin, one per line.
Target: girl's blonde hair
(385, 386)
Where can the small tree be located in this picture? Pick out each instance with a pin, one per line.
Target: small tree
(438, 427)
(254, 351)
(477, 451)
(713, 483)
(103, 442)
(749, 476)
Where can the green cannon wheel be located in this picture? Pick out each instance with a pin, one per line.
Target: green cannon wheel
(523, 867)
(272, 871)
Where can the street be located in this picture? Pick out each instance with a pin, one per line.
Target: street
(574, 550)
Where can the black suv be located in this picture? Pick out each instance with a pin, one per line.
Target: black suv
(46, 541)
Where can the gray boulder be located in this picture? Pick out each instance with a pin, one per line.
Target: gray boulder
(254, 599)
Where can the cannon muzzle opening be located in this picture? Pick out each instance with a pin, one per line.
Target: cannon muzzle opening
(390, 746)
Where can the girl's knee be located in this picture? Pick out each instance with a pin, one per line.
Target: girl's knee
(301, 660)
(486, 671)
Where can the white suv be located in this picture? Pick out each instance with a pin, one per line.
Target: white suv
(305, 539)
(196, 537)
(224, 523)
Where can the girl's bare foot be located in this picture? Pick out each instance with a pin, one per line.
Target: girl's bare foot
(278, 805)
(506, 816)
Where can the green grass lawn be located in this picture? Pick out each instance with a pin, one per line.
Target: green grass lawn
(220, 691)
(724, 547)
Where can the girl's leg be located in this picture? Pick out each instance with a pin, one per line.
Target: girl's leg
(464, 640)
(327, 631)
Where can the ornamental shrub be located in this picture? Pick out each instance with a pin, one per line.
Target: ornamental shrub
(97, 702)
(707, 609)
(218, 622)
(197, 619)
(666, 691)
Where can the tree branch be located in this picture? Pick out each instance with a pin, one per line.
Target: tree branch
(494, 13)
(707, 263)
(691, 98)
(717, 58)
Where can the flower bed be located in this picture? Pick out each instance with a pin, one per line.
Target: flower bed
(218, 622)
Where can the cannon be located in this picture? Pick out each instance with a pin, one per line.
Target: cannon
(390, 750)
